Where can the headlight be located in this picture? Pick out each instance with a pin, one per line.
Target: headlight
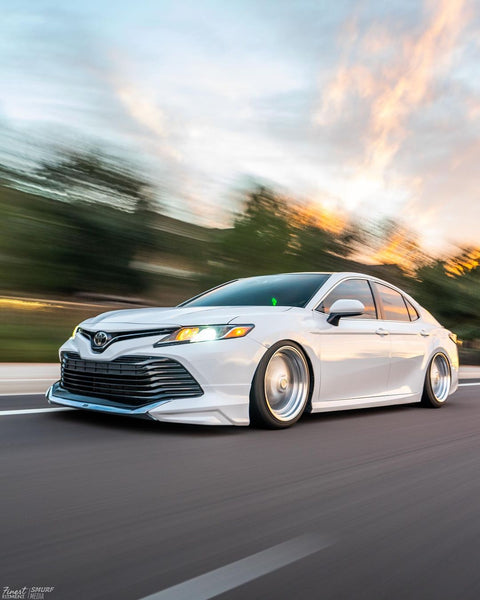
(206, 333)
(74, 332)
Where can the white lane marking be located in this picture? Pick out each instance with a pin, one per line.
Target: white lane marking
(32, 379)
(464, 384)
(23, 394)
(30, 411)
(242, 571)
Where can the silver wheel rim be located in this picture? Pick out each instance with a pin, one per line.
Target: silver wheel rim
(286, 383)
(440, 377)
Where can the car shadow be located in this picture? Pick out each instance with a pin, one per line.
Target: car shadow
(111, 422)
(360, 413)
(370, 410)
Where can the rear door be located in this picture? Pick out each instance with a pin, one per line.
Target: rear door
(409, 340)
(355, 355)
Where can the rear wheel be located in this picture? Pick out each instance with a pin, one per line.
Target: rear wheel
(437, 382)
(281, 387)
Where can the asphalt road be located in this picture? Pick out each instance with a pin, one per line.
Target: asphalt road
(372, 504)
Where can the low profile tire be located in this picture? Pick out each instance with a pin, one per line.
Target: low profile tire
(281, 387)
(438, 380)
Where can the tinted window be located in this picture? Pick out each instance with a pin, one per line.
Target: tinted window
(412, 311)
(394, 308)
(352, 289)
(294, 289)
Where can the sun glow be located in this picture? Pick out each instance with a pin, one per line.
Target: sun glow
(463, 264)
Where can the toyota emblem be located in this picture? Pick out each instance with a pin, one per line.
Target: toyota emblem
(100, 339)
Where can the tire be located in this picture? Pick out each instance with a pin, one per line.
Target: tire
(438, 380)
(281, 387)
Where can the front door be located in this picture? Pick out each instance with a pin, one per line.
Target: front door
(355, 355)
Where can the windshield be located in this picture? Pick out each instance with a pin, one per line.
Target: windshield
(292, 289)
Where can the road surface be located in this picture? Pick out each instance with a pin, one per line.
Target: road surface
(379, 503)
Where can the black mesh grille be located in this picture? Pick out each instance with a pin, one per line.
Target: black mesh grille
(128, 380)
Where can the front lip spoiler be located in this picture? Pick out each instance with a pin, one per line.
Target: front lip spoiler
(55, 395)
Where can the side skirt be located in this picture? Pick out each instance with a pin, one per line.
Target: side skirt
(351, 403)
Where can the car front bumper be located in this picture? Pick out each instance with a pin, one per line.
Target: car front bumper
(224, 369)
(206, 410)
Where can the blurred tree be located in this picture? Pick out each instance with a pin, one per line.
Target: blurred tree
(454, 300)
(84, 242)
(91, 176)
(391, 242)
(260, 238)
(65, 247)
(274, 235)
(323, 244)
(466, 260)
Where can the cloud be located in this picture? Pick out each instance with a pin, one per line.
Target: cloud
(394, 84)
(145, 112)
(422, 59)
(406, 94)
(142, 109)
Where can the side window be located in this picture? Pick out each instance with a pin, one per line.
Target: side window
(412, 311)
(394, 307)
(352, 289)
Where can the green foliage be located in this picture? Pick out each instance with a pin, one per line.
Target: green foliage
(318, 250)
(32, 341)
(259, 240)
(95, 177)
(36, 334)
(77, 243)
(455, 301)
(268, 237)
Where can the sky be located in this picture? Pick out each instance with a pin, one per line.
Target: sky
(365, 107)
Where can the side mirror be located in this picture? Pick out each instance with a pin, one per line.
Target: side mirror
(344, 308)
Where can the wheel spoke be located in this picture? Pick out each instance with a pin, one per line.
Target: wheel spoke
(286, 383)
(440, 377)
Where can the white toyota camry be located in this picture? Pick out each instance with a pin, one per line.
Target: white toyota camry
(261, 350)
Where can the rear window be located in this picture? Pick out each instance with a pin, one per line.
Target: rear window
(394, 307)
(412, 311)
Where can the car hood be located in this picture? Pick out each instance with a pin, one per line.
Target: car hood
(181, 316)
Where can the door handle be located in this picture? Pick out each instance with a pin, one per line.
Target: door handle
(424, 333)
(381, 331)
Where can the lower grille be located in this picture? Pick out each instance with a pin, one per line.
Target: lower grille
(128, 380)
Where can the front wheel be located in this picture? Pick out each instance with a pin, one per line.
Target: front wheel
(281, 387)
(437, 382)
